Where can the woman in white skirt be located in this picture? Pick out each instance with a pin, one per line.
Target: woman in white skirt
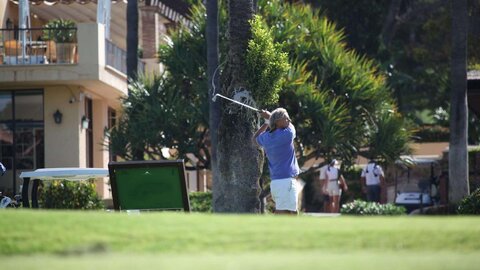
(331, 186)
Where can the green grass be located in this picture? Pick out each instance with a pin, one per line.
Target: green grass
(102, 240)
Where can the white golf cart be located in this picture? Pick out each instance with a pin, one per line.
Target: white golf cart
(416, 185)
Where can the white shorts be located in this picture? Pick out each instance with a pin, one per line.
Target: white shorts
(285, 193)
(333, 189)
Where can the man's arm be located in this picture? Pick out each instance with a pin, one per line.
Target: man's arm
(265, 115)
(344, 183)
(259, 131)
(363, 184)
(382, 180)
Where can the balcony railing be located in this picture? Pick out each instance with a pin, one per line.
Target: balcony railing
(38, 46)
(47, 46)
(117, 58)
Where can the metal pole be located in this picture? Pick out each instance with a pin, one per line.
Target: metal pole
(237, 102)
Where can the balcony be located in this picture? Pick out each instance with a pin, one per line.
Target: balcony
(35, 46)
(117, 58)
(29, 57)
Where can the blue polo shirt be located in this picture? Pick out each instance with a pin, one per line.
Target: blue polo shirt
(280, 152)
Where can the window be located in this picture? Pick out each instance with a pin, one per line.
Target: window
(21, 135)
(89, 132)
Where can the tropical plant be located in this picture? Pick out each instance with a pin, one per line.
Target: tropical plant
(389, 138)
(60, 31)
(171, 117)
(336, 96)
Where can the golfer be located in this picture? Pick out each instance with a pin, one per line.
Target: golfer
(333, 184)
(278, 144)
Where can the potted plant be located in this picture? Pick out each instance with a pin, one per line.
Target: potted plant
(63, 33)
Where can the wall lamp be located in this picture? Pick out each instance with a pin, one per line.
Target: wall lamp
(57, 117)
(85, 122)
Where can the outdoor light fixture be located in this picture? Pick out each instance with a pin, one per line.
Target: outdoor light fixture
(85, 122)
(57, 117)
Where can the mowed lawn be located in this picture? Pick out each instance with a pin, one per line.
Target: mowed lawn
(164, 240)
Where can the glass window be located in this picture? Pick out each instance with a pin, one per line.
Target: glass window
(21, 136)
(28, 106)
(6, 106)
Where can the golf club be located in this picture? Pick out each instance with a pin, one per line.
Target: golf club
(234, 101)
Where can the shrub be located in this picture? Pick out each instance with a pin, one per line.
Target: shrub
(200, 201)
(62, 194)
(266, 64)
(433, 133)
(470, 205)
(59, 30)
(363, 208)
(352, 176)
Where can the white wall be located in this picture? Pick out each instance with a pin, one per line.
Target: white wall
(62, 141)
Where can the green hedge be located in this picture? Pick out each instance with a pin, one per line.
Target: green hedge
(201, 201)
(363, 208)
(352, 176)
(470, 205)
(432, 133)
(69, 195)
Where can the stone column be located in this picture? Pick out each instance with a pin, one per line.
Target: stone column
(149, 24)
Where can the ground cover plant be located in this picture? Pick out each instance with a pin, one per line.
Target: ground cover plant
(110, 240)
(362, 208)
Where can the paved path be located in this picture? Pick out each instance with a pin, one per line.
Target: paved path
(321, 214)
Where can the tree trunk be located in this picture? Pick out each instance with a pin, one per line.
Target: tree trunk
(458, 154)
(239, 162)
(132, 39)
(132, 58)
(212, 64)
(389, 26)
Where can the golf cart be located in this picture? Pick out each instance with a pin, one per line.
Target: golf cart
(416, 185)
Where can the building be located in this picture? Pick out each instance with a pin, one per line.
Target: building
(57, 100)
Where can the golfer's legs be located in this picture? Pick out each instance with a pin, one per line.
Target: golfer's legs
(284, 193)
(373, 193)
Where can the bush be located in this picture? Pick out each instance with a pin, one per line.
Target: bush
(60, 30)
(352, 176)
(62, 194)
(200, 201)
(363, 208)
(433, 133)
(266, 64)
(470, 205)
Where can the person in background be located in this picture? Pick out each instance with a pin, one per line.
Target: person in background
(372, 180)
(323, 191)
(282, 162)
(333, 184)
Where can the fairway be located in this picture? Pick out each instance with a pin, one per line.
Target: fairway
(108, 240)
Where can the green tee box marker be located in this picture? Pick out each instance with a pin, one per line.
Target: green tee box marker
(149, 185)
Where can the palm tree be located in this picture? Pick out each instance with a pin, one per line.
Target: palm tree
(236, 189)
(458, 154)
(132, 38)
(212, 64)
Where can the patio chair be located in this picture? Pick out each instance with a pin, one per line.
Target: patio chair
(12, 47)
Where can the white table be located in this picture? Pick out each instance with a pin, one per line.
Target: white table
(71, 174)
